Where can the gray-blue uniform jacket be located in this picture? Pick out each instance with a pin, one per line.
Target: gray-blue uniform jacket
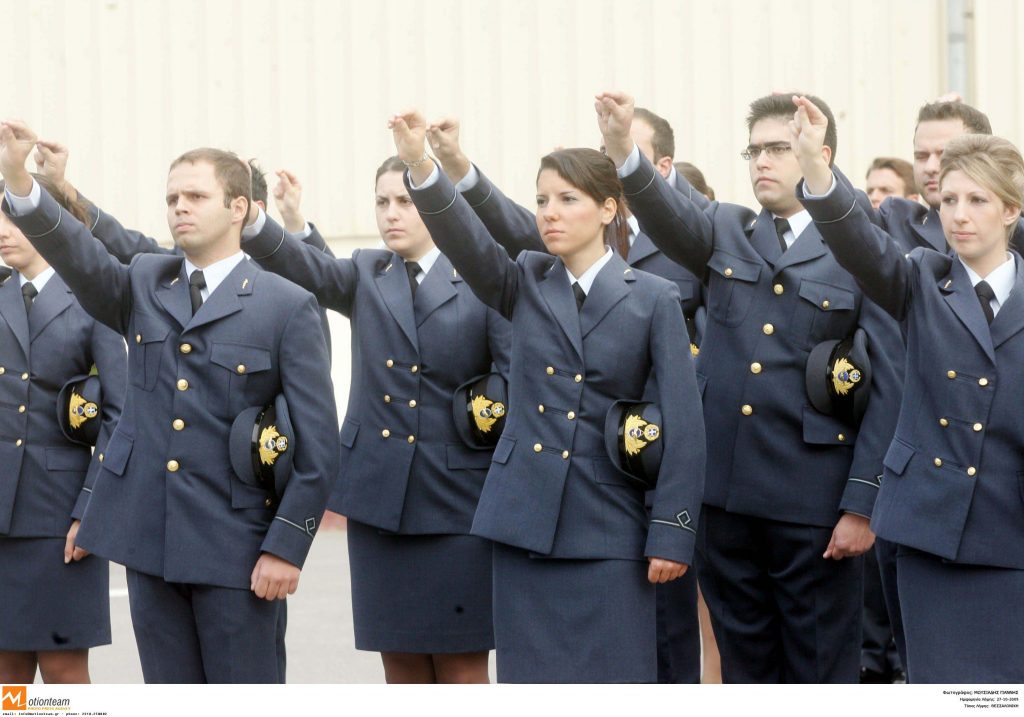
(167, 502)
(551, 488)
(771, 454)
(952, 484)
(46, 479)
(403, 467)
(512, 224)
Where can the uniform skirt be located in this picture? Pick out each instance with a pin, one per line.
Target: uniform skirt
(964, 624)
(420, 593)
(573, 620)
(46, 605)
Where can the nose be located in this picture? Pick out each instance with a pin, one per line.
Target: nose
(960, 212)
(762, 159)
(932, 165)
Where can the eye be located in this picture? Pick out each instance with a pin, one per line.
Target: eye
(542, 201)
(920, 156)
(381, 201)
(405, 201)
(568, 199)
(979, 200)
(172, 200)
(949, 200)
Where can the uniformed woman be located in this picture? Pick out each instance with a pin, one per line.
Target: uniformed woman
(952, 495)
(421, 585)
(576, 554)
(55, 597)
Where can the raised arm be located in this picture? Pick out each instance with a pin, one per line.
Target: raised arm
(874, 259)
(676, 225)
(100, 283)
(454, 227)
(512, 225)
(332, 281)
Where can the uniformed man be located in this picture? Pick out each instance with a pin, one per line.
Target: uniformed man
(210, 558)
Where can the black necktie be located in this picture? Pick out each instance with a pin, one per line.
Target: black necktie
(580, 295)
(28, 293)
(781, 227)
(985, 296)
(196, 284)
(413, 269)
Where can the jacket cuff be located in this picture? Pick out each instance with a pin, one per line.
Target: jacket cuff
(290, 540)
(40, 222)
(81, 504)
(639, 180)
(830, 208)
(859, 496)
(479, 192)
(671, 542)
(436, 198)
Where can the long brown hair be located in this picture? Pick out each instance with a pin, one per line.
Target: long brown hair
(593, 174)
(77, 208)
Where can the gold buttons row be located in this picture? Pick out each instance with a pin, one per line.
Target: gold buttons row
(24, 376)
(390, 363)
(537, 448)
(550, 371)
(971, 470)
(981, 381)
(387, 434)
(412, 402)
(570, 415)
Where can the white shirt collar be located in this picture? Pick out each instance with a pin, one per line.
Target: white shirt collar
(426, 262)
(215, 273)
(1001, 279)
(41, 278)
(671, 178)
(587, 280)
(634, 228)
(797, 223)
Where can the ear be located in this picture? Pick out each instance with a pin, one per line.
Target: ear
(1010, 215)
(261, 204)
(608, 211)
(239, 210)
(826, 154)
(664, 166)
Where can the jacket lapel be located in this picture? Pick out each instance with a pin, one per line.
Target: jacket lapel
(223, 301)
(172, 293)
(642, 248)
(12, 308)
(52, 301)
(763, 237)
(609, 288)
(808, 246)
(959, 294)
(1010, 319)
(555, 289)
(929, 231)
(436, 289)
(393, 284)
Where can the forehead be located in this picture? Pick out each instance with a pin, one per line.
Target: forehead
(390, 184)
(549, 181)
(770, 129)
(884, 176)
(192, 175)
(934, 134)
(957, 180)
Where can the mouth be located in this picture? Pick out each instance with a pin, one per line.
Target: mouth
(553, 233)
(764, 180)
(962, 236)
(183, 227)
(395, 232)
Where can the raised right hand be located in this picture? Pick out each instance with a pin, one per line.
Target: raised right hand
(443, 135)
(17, 140)
(288, 198)
(409, 130)
(614, 118)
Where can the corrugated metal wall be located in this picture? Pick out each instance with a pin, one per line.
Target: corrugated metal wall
(308, 85)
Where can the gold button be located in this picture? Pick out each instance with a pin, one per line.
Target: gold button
(983, 381)
(571, 415)
(768, 329)
(2, 370)
(977, 427)
(540, 408)
(240, 368)
(414, 369)
(389, 363)
(268, 502)
(778, 289)
(950, 374)
(182, 384)
(943, 422)
(550, 370)
(412, 403)
(24, 377)
(728, 271)
(178, 424)
(747, 409)
(385, 433)
(971, 471)
(101, 457)
(173, 466)
(938, 462)
(138, 338)
(411, 439)
(18, 442)
(841, 437)
(21, 409)
(578, 378)
(185, 348)
(565, 455)
(537, 448)
(755, 367)
(387, 398)
(825, 304)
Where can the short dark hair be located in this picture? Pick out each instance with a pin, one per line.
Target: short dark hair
(593, 173)
(903, 169)
(975, 121)
(391, 164)
(781, 105)
(664, 139)
(230, 171)
(259, 182)
(696, 179)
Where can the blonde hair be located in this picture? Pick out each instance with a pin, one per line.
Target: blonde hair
(993, 162)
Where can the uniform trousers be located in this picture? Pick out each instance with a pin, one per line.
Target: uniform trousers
(678, 630)
(190, 633)
(782, 613)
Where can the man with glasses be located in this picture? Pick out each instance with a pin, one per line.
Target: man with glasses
(789, 488)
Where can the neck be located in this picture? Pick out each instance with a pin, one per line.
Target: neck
(211, 254)
(788, 211)
(417, 253)
(33, 269)
(578, 262)
(985, 265)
